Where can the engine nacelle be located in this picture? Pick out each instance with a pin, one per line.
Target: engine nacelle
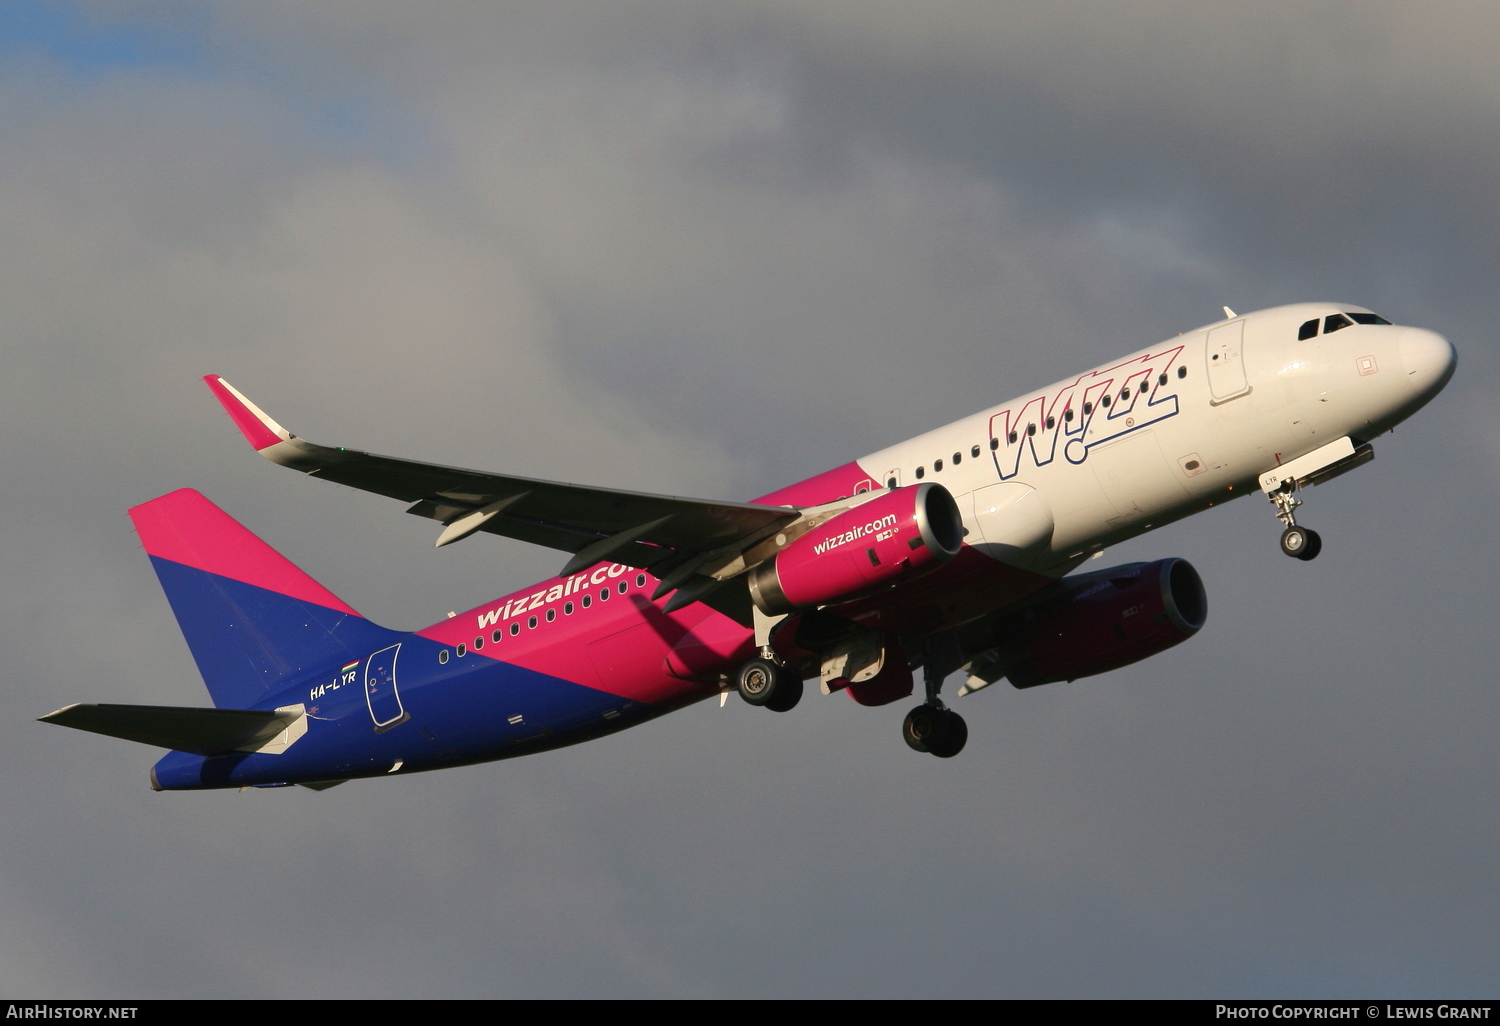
(1111, 619)
(899, 536)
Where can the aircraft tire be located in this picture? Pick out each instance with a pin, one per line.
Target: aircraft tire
(1295, 541)
(952, 738)
(1313, 547)
(928, 728)
(919, 725)
(939, 732)
(760, 680)
(788, 690)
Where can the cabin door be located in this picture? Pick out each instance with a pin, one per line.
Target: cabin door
(1226, 362)
(380, 689)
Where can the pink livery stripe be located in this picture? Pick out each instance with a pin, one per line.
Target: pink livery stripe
(250, 421)
(838, 483)
(186, 528)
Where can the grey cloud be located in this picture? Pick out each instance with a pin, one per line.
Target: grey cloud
(706, 249)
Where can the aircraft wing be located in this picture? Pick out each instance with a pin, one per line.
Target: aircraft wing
(677, 539)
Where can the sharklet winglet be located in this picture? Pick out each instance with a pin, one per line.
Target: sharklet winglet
(258, 428)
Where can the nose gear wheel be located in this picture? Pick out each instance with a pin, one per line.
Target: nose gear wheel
(1299, 542)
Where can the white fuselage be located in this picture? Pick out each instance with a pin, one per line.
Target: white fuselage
(1054, 475)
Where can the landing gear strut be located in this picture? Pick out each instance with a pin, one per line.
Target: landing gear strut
(766, 682)
(932, 727)
(1301, 542)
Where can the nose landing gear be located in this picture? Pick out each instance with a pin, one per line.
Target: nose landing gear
(1300, 542)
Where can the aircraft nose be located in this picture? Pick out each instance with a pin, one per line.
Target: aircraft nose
(1429, 360)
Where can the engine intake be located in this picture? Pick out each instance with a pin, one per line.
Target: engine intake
(899, 536)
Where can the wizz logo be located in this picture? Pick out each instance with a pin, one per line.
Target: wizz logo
(1098, 407)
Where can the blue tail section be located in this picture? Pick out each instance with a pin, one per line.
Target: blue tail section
(255, 623)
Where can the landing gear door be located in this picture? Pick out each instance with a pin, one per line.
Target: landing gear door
(1225, 357)
(380, 689)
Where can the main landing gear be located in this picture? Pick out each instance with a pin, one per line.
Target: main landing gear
(766, 682)
(1301, 542)
(932, 727)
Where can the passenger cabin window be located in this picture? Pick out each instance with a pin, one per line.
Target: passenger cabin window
(974, 452)
(937, 465)
(1333, 322)
(921, 473)
(994, 444)
(1364, 318)
(1308, 330)
(958, 458)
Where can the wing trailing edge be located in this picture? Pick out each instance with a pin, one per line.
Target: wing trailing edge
(664, 534)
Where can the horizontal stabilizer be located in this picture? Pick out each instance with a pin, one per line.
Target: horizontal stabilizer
(197, 731)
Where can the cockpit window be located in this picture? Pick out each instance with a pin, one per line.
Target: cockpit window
(1333, 322)
(1367, 318)
(1308, 330)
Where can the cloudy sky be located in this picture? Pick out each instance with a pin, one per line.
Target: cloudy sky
(709, 248)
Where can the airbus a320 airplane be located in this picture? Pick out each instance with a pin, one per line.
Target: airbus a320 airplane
(950, 551)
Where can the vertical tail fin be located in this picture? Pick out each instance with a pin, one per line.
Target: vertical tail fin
(252, 619)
